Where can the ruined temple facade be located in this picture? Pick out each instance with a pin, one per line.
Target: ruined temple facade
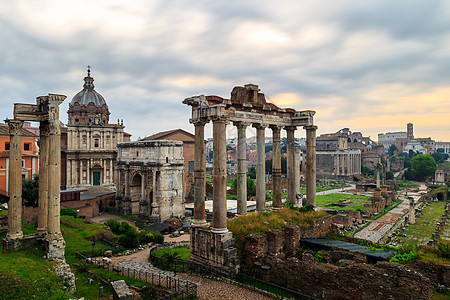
(246, 107)
(150, 179)
(89, 158)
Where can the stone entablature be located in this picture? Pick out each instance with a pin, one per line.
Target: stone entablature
(150, 179)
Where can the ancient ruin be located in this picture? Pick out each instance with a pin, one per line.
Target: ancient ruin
(247, 107)
(150, 179)
(46, 112)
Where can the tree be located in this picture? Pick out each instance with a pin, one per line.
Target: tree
(251, 186)
(252, 173)
(283, 165)
(30, 190)
(389, 175)
(392, 149)
(439, 157)
(423, 166)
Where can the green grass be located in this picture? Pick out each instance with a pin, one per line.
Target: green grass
(425, 225)
(3, 212)
(404, 184)
(183, 252)
(26, 275)
(263, 222)
(357, 202)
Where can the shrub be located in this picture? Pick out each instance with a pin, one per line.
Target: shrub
(118, 227)
(150, 236)
(404, 258)
(444, 249)
(69, 212)
(129, 239)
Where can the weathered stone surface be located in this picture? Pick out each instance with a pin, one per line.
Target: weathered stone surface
(121, 290)
(437, 273)
(213, 253)
(63, 270)
(357, 281)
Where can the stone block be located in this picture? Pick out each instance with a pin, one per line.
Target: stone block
(121, 290)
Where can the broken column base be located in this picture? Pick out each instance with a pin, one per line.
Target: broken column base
(54, 248)
(213, 253)
(11, 245)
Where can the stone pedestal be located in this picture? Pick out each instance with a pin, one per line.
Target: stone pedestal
(213, 253)
(55, 248)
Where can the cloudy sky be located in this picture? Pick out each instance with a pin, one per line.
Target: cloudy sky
(371, 65)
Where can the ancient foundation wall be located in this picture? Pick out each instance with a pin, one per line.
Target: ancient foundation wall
(213, 253)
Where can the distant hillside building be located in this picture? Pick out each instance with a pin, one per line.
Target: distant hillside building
(90, 141)
(445, 146)
(388, 139)
(150, 179)
(30, 157)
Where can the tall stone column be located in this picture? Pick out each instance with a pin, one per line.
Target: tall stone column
(242, 168)
(297, 172)
(276, 166)
(15, 180)
(291, 164)
(54, 179)
(43, 179)
(260, 167)
(199, 175)
(311, 165)
(220, 175)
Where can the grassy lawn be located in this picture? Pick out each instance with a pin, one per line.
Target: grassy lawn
(403, 184)
(425, 225)
(3, 212)
(326, 201)
(183, 252)
(25, 275)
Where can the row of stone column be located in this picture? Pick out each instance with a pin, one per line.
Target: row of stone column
(220, 175)
(49, 180)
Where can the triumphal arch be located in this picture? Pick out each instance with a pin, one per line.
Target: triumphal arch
(46, 112)
(211, 248)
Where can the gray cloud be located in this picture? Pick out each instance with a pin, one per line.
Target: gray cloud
(336, 57)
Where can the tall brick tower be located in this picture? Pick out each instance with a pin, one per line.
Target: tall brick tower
(409, 132)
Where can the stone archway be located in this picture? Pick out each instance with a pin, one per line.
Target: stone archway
(135, 192)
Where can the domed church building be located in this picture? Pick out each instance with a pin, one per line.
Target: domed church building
(91, 140)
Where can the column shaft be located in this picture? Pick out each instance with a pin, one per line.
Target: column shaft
(15, 180)
(242, 169)
(260, 168)
(220, 176)
(291, 164)
(276, 167)
(43, 179)
(54, 179)
(311, 165)
(199, 175)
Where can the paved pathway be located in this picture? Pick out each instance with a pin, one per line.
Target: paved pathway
(379, 227)
(209, 288)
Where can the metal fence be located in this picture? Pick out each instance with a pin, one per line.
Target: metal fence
(176, 286)
(275, 290)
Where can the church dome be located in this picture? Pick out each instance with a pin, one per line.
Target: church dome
(88, 106)
(88, 94)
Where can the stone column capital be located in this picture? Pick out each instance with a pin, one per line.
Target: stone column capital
(310, 127)
(241, 124)
(44, 128)
(275, 127)
(15, 126)
(259, 126)
(200, 122)
(220, 119)
(54, 127)
(288, 128)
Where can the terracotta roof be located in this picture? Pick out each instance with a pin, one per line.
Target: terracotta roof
(4, 131)
(166, 134)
